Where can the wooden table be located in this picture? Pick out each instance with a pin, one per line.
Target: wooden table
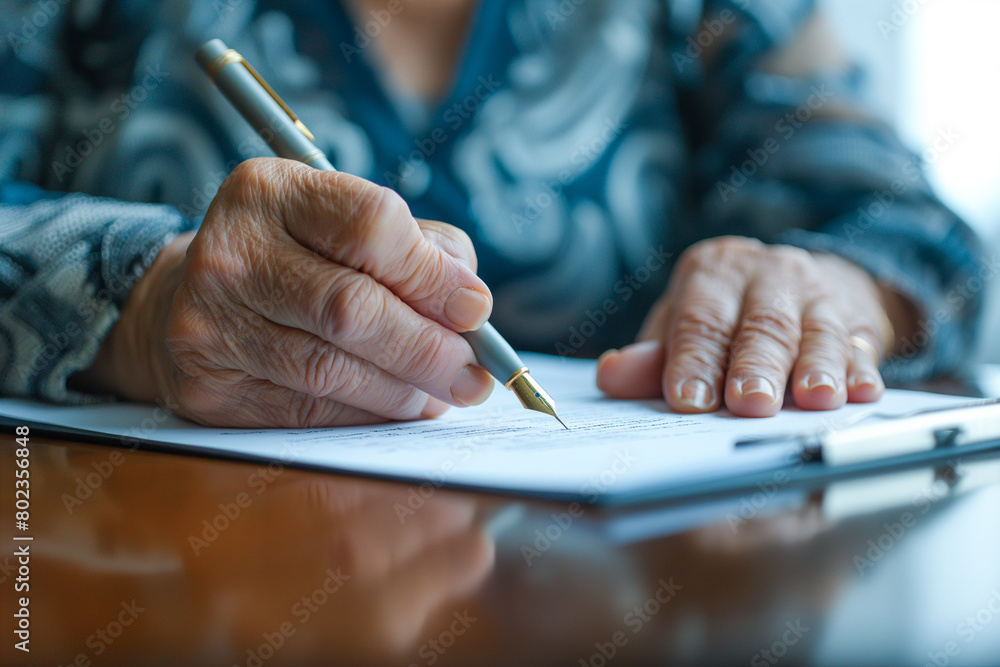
(141, 557)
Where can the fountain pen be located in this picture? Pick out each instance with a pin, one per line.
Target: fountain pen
(289, 138)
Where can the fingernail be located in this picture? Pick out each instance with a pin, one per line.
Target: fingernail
(472, 385)
(866, 380)
(820, 379)
(434, 408)
(758, 386)
(467, 309)
(696, 393)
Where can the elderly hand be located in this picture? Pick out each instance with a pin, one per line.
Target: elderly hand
(307, 298)
(741, 319)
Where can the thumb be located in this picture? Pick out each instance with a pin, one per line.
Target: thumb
(450, 239)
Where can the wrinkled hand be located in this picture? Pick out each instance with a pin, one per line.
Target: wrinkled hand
(307, 298)
(741, 319)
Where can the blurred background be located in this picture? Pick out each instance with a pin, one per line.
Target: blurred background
(934, 66)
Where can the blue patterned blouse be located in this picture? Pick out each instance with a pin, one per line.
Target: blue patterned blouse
(582, 145)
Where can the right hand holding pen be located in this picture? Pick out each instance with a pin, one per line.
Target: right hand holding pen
(307, 298)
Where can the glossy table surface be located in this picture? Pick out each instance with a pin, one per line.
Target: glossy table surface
(140, 557)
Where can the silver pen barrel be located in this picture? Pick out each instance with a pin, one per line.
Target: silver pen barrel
(257, 102)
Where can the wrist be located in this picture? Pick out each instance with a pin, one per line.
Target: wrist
(131, 358)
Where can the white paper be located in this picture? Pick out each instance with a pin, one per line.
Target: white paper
(612, 449)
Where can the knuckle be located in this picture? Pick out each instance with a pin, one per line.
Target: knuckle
(714, 252)
(308, 412)
(822, 346)
(331, 372)
(771, 326)
(695, 257)
(214, 267)
(242, 177)
(700, 323)
(244, 330)
(831, 355)
(827, 333)
(701, 362)
(459, 244)
(461, 239)
(321, 367)
(428, 273)
(369, 219)
(248, 177)
(352, 309)
(390, 351)
(823, 327)
(425, 356)
(792, 256)
(798, 267)
(451, 241)
(373, 209)
(247, 171)
(820, 314)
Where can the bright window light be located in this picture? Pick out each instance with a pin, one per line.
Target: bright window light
(951, 86)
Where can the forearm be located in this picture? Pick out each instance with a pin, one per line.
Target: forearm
(69, 264)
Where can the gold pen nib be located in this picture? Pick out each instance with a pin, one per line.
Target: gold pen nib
(531, 394)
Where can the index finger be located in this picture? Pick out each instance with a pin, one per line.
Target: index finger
(363, 226)
(699, 337)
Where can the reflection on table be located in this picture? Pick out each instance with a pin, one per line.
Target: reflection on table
(142, 557)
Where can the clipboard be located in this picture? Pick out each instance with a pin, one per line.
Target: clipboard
(875, 444)
(870, 444)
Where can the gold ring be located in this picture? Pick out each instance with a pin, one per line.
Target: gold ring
(888, 333)
(866, 347)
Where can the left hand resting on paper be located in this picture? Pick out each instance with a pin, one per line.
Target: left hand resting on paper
(742, 320)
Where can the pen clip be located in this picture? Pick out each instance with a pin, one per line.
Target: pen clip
(231, 56)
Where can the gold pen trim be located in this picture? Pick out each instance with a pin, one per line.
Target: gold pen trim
(518, 373)
(230, 56)
(311, 156)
